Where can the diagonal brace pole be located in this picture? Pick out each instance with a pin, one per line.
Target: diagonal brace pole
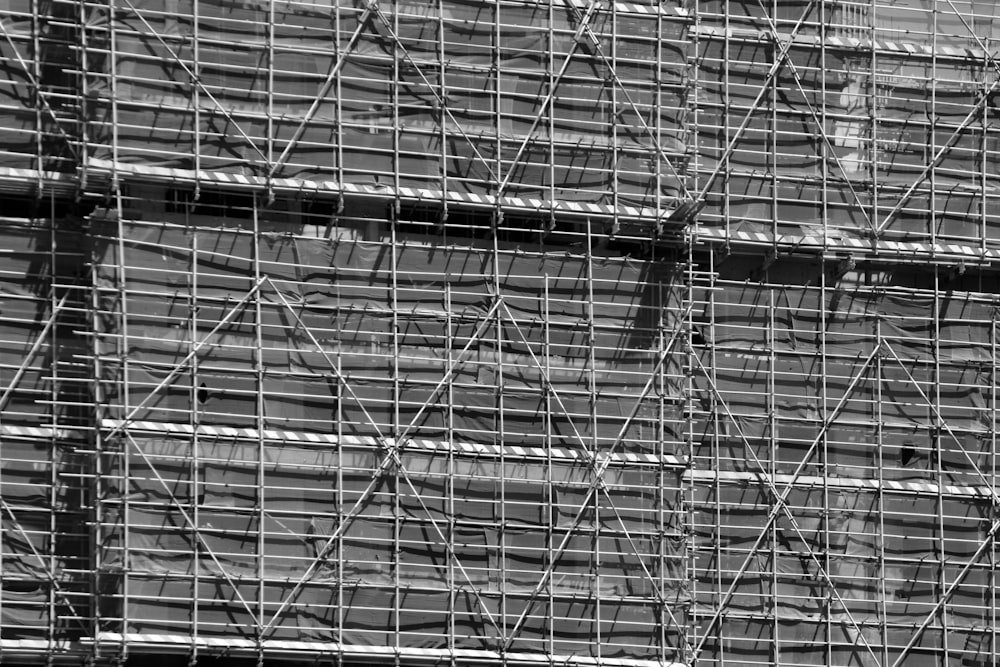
(196, 80)
(182, 365)
(779, 61)
(767, 481)
(987, 541)
(41, 559)
(35, 347)
(819, 124)
(321, 95)
(650, 131)
(38, 88)
(176, 504)
(944, 423)
(781, 500)
(549, 96)
(449, 544)
(598, 483)
(918, 181)
(437, 97)
(393, 449)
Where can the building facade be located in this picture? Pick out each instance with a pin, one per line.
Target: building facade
(457, 332)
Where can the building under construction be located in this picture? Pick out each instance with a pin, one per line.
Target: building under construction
(500, 332)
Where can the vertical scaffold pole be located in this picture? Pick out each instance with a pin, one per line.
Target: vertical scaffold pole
(881, 459)
(196, 93)
(499, 424)
(392, 347)
(260, 423)
(196, 414)
(452, 533)
(594, 445)
(552, 512)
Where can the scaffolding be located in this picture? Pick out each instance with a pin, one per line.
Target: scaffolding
(453, 331)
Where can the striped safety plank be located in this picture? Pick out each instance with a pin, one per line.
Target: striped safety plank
(352, 650)
(843, 42)
(816, 481)
(29, 180)
(40, 432)
(462, 448)
(520, 204)
(817, 241)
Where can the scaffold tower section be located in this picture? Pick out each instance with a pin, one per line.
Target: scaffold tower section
(548, 108)
(577, 332)
(424, 449)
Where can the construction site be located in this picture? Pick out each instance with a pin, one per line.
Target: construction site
(586, 333)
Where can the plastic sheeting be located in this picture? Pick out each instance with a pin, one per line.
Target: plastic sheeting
(848, 125)
(389, 579)
(800, 351)
(40, 536)
(372, 309)
(891, 502)
(878, 119)
(550, 377)
(18, 129)
(887, 465)
(882, 555)
(31, 137)
(420, 104)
